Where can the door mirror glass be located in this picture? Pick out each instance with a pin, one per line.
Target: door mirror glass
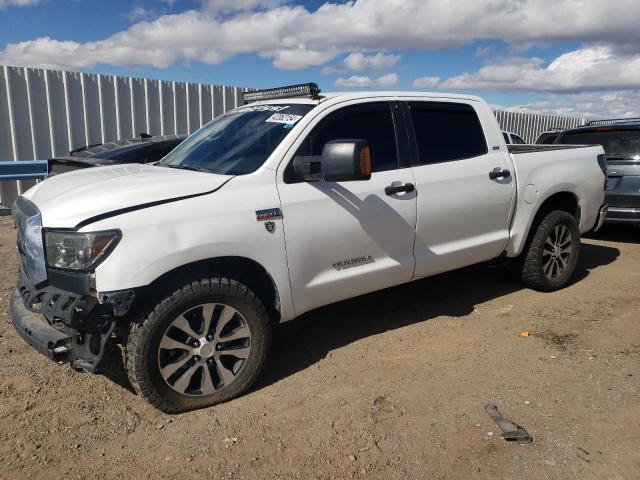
(341, 161)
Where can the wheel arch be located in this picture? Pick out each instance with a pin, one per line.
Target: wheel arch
(242, 269)
(565, 200)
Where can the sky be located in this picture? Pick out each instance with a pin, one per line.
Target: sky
(571, 57)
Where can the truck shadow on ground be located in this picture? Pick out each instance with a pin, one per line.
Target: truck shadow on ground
(617, 233)
(305, 341)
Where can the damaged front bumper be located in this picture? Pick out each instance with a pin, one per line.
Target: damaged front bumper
(67, 327)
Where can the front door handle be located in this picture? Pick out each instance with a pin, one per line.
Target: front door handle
(393, 189)
(499, 173)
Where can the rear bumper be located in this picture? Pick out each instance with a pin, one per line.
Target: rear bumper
(35, 330)
(623, 215)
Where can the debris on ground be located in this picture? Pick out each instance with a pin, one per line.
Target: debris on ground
(511, 431)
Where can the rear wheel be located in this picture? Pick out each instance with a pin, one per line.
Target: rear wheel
(205, 343)
(549, 260)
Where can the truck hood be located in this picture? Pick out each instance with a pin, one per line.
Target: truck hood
(67, 200)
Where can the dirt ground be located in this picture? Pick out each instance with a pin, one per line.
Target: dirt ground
(391, 385)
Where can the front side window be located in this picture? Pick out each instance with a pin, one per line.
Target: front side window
(238, 142)
(517, 140)
(447, 131)
(371, 122)
(617, 144)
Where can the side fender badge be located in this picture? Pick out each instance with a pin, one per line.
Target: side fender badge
(270, 226)
(268, 214)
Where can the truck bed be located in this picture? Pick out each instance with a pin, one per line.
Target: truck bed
(518, 148)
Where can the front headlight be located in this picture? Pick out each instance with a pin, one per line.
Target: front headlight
(78, 251)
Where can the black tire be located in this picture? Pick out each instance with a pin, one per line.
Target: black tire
(533, 259)
(145, 335)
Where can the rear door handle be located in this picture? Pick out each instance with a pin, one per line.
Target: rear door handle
(393, 189)
(499, 173)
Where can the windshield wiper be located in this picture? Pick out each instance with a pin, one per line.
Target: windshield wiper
(193, 168)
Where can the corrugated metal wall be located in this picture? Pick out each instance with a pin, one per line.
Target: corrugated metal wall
(44, 113)
(530, 125)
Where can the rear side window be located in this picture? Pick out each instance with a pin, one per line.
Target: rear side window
(447, 131)
(372, 122)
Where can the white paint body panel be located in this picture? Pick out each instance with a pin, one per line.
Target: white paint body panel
(456, 217)
(463, 215)
(66, 200)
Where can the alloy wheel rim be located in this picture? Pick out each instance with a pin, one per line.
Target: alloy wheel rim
(558, 248)
(204, 349)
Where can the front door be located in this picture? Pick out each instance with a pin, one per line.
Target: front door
(344, 239)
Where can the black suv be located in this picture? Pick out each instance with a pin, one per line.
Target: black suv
(142, 149)
(621, 142)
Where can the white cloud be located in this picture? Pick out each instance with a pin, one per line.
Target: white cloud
(388, 81)
(620, 104)
(358, 81)
(138, 13)
(359, 62)
(18, 3)
(295, 37)
(426, 82)
(586, 69)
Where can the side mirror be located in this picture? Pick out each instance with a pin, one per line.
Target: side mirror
(341, 161)
(346, 160)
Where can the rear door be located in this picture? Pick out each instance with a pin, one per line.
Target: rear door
(466, 188)
(348, 238)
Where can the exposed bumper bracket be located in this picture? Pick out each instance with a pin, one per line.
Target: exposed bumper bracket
(47, 340)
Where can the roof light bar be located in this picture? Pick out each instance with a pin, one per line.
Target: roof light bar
(303, 90)
(612, 121)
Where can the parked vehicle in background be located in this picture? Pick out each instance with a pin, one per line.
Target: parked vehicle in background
(548, 137)
(513, 139)
(191, 268)
(621, 142)
(142, 149)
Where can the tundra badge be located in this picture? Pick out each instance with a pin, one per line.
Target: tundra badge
(268, 214)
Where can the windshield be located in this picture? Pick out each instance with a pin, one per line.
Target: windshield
(238, 142)
(617, 144)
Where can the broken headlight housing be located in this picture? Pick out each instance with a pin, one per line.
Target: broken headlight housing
(79, 251)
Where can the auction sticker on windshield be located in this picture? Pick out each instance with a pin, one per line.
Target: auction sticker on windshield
(286, 118)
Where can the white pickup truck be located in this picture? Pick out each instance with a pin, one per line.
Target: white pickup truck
(290, 202)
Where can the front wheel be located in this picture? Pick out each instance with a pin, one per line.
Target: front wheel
(205, 343)
(549, 260)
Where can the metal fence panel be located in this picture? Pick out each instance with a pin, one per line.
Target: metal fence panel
(45, 113)
(91, 107)
(75, 111)
(530, 125)
(41, 130)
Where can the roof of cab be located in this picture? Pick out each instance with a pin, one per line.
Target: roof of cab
(346, 96)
